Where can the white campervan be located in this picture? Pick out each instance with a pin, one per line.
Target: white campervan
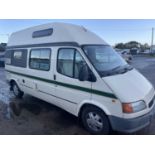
(74, 69)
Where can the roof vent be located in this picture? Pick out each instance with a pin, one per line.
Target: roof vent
(42, 33)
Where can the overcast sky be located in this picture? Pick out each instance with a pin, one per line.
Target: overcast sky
(112, 31)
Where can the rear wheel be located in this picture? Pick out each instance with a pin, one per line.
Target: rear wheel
(95, 120)
(16, 91)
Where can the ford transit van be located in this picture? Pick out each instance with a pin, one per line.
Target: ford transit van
(74, 69)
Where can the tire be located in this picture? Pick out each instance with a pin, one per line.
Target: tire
(16, 91)
(95, 121)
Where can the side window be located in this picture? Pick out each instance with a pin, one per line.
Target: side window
(40, 59)
(65, 62)
(17, 55)
(16, 58)
(45, 59)
(34, 59)
(69, 62)
(79, 62)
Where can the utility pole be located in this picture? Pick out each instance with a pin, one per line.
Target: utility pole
(152, 40)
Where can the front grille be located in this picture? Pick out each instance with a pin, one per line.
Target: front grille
(151, 103)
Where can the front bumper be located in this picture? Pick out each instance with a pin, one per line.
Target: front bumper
(132, 125)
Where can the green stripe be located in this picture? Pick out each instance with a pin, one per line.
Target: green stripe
(97, 92)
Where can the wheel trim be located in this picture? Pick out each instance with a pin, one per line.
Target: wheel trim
(94, 121)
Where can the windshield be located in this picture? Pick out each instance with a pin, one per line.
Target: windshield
(105, 59)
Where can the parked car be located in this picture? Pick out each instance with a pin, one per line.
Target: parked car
(127, 56)
(74, 69)
(134, 51)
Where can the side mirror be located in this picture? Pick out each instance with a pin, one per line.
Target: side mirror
(83, 73)
(86, 74)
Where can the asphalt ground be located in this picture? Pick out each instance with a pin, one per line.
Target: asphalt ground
(41, 118)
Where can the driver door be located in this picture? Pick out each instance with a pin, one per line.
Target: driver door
(70, 91)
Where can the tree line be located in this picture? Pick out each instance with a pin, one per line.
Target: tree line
(132, 44)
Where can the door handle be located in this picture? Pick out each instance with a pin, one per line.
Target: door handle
(54, 76)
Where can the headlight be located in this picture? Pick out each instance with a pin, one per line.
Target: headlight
(133, 107)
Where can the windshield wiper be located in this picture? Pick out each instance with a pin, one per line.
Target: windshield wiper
(115, 68)
(125, 69)
(130, 67)
(113, 71)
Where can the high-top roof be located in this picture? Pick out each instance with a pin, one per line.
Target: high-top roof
(61, 32)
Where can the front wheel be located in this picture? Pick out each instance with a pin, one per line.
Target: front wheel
(16, 91)
(95, 121)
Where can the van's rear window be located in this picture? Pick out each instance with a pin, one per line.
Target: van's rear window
(42, 33)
